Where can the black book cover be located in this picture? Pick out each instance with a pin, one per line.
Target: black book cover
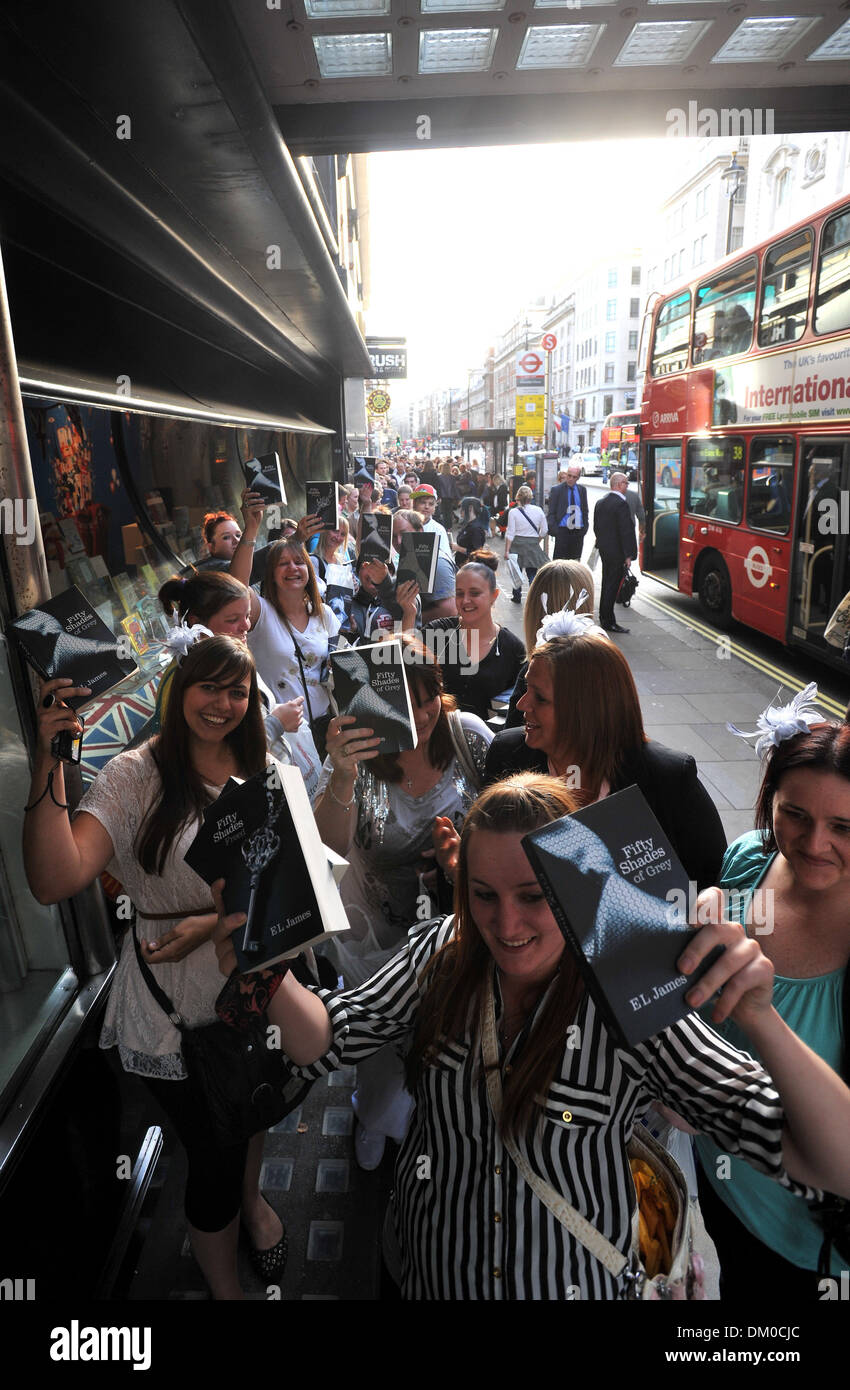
(263, 475)
(620, 897)
(65, 637)
(265, 825)
(370, 682)
(380, 523)
(417, 559)
(322, 499)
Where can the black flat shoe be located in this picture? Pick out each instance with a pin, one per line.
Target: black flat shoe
(269, 1263)
(617, 628)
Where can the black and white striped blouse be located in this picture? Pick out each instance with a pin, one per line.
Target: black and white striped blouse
(468, 1224)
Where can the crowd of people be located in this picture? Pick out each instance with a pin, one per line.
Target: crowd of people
(431, 1006)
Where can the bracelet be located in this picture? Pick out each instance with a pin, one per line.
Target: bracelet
(242, 541)
(63, 805)
(346, 805)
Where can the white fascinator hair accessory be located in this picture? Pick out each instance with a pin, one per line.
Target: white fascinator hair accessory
(566, 622)
(777, 723)
(180, 638)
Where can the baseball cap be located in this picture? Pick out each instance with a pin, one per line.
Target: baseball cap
(423, 490)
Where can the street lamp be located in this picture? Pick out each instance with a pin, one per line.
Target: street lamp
(731, 179)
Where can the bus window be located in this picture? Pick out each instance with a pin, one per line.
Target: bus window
(832, 302)
(771, 484)
(723, 323)
(670, 345)
(785, 290)
(715, 479)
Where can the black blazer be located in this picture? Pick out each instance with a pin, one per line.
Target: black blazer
(668, 780)
(558, 503)
(615, 528)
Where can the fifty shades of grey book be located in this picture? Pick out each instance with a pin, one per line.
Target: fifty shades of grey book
(263, 475)
(322, 500)
(380, 523)
(616, 890)
(260, 836)
(64, 636)
(417, 559)
(370, 683)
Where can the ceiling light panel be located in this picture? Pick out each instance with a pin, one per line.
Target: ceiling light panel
(458, 6)
(559, 4)
(762, 40)
(835, 48)
(558, 45)
(345, 9)
(354, 55)
(456, 50)
(663, 41)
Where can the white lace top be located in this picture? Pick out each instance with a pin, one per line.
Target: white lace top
(147, 1042)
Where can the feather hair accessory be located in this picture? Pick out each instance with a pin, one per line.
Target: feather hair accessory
(180, 638)
(775, 724)
(566, 622)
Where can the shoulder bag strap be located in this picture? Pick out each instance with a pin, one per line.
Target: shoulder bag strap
(159, 994)
(301, 671)
(530, 522)
(573, 1221)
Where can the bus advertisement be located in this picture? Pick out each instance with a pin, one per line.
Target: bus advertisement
(745, 435)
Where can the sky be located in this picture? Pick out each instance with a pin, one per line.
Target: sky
(462, 239)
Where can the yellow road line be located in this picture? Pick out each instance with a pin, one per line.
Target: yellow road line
(759, 663)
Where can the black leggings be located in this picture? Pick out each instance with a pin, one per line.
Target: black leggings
(750, 1272)
(214, 1185)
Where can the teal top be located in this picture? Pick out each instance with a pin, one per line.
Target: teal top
(812, 1008)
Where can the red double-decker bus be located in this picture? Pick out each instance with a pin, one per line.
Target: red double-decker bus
(620, 428)
(745, 434)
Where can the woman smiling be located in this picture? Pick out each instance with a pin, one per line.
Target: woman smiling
(480, 659)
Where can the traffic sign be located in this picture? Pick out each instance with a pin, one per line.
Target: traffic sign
(530, 363)
(548, 342)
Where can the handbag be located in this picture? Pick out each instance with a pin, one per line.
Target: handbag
(245, 1085)
(684, 1280)
(626, 591)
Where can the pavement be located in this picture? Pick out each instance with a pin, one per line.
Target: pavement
(690, 684)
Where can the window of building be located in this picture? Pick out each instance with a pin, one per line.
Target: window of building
(670, 344)
(714, 483)
(832, 296)
(771, 484)
(785, 289)
(782, 188)
(610, 342)
(633, 340)
(635, 274)
(612, 279)
(723, 321)
(607, 405)
(736, 240)
(611, 309)
(630, 371)
(609, 374)
(634, 308)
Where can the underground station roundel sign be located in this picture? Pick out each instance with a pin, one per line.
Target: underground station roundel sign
(378, 402)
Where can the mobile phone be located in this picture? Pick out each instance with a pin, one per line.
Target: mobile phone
(68, 746)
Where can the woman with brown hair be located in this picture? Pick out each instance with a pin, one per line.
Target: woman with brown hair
(222, 533)
(292, 630)
(583, 722)
(137, 820)
(492, 994)
(379, 813)
(558, 585)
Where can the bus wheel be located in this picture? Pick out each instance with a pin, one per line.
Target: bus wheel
(666, 478)
(715, 592)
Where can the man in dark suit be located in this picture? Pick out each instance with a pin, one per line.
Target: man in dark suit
(615, 539)
(569, 515)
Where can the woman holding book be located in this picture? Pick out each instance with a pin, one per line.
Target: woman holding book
(494, 989)
(379, 813)
(137, 820)
(788, 883)
(480, 658)
(292, 631)
(583, 722)
(219, 603)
